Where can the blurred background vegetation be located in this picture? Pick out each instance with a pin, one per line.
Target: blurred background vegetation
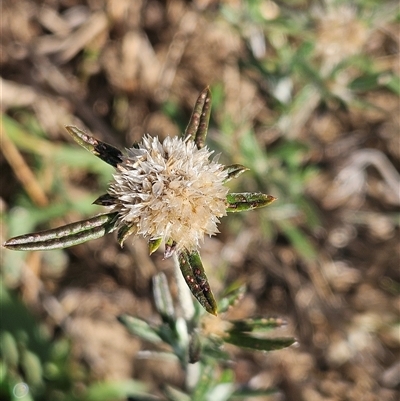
(305, 94)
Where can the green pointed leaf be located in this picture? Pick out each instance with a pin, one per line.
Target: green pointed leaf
(234, 171)
(154, 244)
(231, 295)
(140, 328)
(32, 367)
(102, 150)
(198, 123)
(214, 348)
(239, 202)
(366, 82)
(259, 324)
(124, 232)
(206, 381)
(245, 340)
(196, 279)
(65, 236)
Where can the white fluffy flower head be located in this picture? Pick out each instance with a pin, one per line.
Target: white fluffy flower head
(170, 191)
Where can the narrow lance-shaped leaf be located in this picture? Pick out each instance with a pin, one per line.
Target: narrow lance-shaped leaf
(247, 201)
(198, 123)
(65, 236)
(154, 244)
(234, 171)
(207, 380)
(105, 200)
(246, 340)
(196, 279)
(163, 298)
(194, 347)
(140, 328)
(259, 324)
(231, 297)
(103, 150)
(124, 232)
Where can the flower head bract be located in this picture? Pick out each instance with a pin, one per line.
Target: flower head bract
(171, 191)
